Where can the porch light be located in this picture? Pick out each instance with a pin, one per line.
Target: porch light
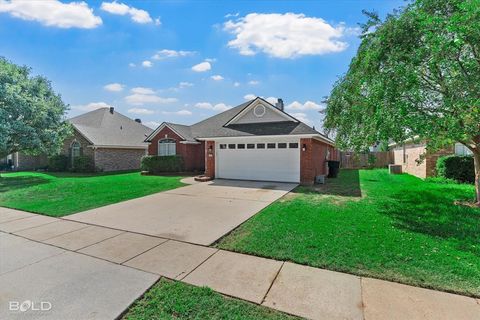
(304, 147)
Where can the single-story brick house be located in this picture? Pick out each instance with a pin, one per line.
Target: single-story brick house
(113, 141)
(253, 141)
(409, 154)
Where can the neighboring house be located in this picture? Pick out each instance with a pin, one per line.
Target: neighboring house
(410, 153)
(253, 141)
(111, 140)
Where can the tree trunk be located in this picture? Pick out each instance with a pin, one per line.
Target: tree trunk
(476, 157)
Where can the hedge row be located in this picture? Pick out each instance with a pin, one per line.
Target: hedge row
(459, 168)
(157, 164)
(61, 163)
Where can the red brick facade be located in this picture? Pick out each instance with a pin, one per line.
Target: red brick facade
(210, 159)
(313, 159)
(192, 153)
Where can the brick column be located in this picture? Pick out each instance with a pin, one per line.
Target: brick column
(210, 159)
(307, 171)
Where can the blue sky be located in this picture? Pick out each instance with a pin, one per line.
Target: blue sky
(182, 61)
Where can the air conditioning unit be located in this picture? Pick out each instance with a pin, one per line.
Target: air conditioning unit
(320, 179)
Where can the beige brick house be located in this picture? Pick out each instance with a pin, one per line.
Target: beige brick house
(411, 152)
(113, 141)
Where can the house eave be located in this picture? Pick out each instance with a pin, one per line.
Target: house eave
(313, 136)
(106, 146)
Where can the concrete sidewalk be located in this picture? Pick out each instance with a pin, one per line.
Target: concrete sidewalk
(296, 289)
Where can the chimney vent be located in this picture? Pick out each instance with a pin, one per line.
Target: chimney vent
(279, 104)
(138, 120)
(112, 109)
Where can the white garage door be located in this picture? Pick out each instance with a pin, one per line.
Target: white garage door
(266, 160)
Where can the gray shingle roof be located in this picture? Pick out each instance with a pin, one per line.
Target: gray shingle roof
(103, 128)
(215, 127)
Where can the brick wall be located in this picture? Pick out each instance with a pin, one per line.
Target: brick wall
(193, 154)
(28, 162)
(109, 159)
(313, 160)
(210, 159)
(84, 143)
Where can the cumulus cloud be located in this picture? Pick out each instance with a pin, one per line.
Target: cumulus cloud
(236, 84)
(140, 111)
(147, 64)
(272, 100)
(217, 77)
(286, 35)
(253, 82)
(178, 113)
(141, 96)
(53, 13)
(152, 124)
(166, 53)
(91, 106)
(137, 15)
(114, 87)
(216, 107)
(131, 64)
(302, 117)
(202, 67)
(309, 105)
(249, 96)
(185, 84)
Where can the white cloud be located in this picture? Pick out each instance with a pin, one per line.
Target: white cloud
(249, 96)
(232, 15)
(152, 124)
(253, 82)
(53, 13)
(217, 77)
(309, 105)
(286, 35)
(236, 84)
(91, 106)
(118, 8)
(272, 100)
(178, 113)
(302, 117)
(140, 111)
(142, 90)
(216, 107)
(147, 64)
(210, 59)
(114, 87)
(141, 96)
(185, 84)
(158, 22)
(202, 67)
(131, 64)
(166, 53)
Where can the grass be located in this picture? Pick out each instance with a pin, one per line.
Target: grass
(174, 300)
(60, 194)
(369, 223)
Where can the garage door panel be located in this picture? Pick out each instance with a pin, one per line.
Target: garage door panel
(259, 164)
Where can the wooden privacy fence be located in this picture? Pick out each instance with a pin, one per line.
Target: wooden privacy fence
(355, 160)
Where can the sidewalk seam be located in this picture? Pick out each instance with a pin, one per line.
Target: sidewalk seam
(271, 284)
(181, 279)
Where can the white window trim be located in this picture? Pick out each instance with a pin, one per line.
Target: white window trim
(166, 149)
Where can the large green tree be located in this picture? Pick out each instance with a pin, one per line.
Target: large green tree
(416, 75)
(32, 115)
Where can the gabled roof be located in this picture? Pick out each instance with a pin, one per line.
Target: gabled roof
(103, 128)
(217, 126)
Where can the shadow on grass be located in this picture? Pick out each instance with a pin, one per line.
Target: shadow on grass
(86, 174)
(14, 183)
(433, 212)
(347, 184)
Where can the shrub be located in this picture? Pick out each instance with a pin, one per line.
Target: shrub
(157, 164)
(459, 168)
(58, 163)
(83, 164)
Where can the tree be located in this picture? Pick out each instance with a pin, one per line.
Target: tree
(32, 115)
(416, 75)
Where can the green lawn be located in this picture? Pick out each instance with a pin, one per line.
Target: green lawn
(174, 300)
(370, 223)
(60, 194)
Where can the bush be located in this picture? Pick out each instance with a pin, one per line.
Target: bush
(459, 168)
(58, 163)
(157, 164)
(83, 164)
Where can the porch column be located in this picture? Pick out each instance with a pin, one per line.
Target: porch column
(307, 171)
(210, 159)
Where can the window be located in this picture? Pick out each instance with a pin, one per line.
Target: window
(231, 146)
(251, 146)
(293, 145)
(223, 146)
(75, 149)
(462, 150)
(282, 146)
(271, 146)
(167, 147)
(260, 145)
(241, 146)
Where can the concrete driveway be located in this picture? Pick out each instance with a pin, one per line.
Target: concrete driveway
(200, 213)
